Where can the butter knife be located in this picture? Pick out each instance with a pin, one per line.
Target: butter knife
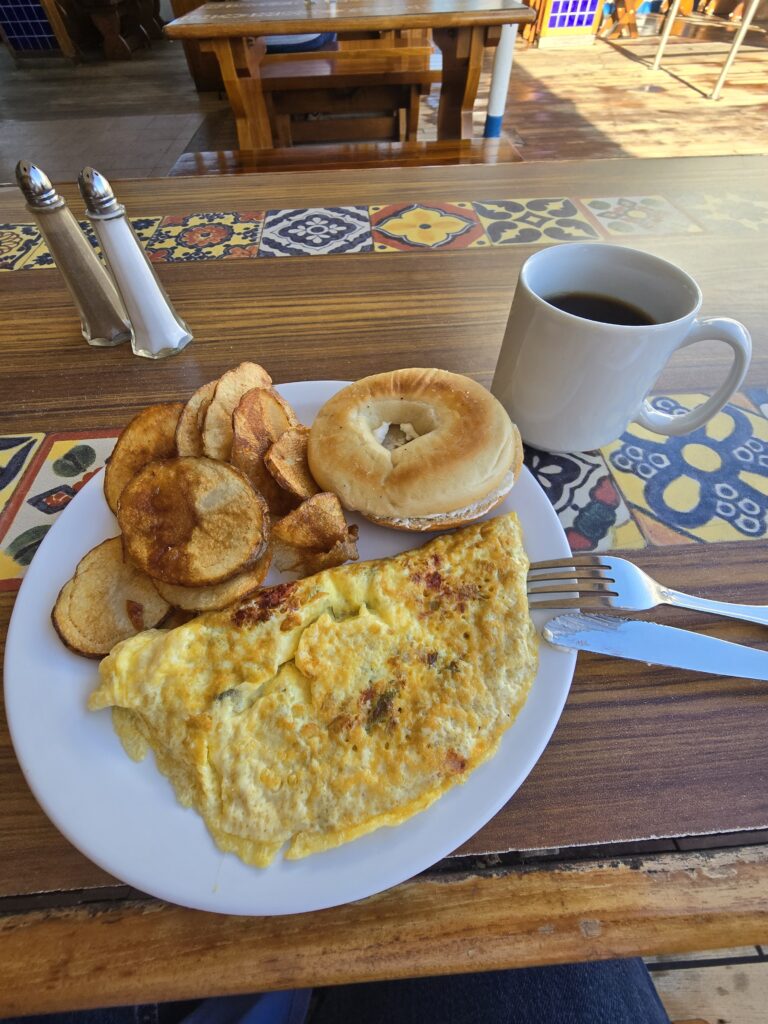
(655, 645)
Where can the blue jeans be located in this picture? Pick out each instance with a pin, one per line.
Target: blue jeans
(606, 992)
(311, 44)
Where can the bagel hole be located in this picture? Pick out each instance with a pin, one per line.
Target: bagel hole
(396, 435)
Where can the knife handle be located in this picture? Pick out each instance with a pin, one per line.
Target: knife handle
(757, 613)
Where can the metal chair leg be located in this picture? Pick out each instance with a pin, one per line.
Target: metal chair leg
(746, 21)
(666, 32)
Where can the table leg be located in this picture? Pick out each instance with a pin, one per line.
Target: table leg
(239, 61)
(665, 33)
(746, 21)
(462, 50)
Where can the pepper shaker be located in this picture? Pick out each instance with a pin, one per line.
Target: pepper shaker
(102, 314)
(157, 330)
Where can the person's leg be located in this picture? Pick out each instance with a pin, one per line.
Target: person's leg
(607, 992)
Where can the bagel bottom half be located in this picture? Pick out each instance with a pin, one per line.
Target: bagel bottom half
(459, 517)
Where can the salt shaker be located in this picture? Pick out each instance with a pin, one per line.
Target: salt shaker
(157, 330)
(102, 314)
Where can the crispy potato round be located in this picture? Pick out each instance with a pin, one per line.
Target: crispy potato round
(107, 600)
(259, 420)
(189, 437)
(314, 536)
(219, 595)
(217, 426)
(150, 435)
(286, 460)
(192, 521)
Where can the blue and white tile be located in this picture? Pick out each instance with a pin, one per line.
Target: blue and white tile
(318, 231)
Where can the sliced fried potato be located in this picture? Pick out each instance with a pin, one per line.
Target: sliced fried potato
(286, 460)
(149, 436)
(314, 536)
(260, 419)
(192, 521)
(189, 437)
(107, 600)
(305, 563)
(220, 595)
(176, 617)
(217, 426)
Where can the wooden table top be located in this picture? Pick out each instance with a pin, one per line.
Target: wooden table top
(271, 17)
(641, 755)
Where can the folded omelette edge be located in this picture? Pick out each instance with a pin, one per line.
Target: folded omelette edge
(316, 711)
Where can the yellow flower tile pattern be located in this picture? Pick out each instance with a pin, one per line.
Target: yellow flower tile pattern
(710, 485)
(401, 227)
(206, 236)
(62, 465)
(534, 221)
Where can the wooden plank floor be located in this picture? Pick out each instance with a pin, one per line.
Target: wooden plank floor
(715, 993)
(604, 101)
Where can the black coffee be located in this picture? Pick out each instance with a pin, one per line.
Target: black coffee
(602, 308)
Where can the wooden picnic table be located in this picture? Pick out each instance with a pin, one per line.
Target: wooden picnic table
(639, 830)
(234, 29)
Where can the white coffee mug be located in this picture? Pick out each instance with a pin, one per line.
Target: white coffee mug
(572, 384)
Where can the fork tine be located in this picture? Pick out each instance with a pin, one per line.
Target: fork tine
(584, 603)
(577, 574)
(584, 588)
(595, 561)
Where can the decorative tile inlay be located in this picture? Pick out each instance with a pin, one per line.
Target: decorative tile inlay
(17, 241)
(588, 504)
(759, 398)
(320, 231)
(405, 226)
(16, 451)
(63, 465)
(710, 485)
(527, 221)
(144, 227)
(727, 211)
(639, 215)
(206, 236)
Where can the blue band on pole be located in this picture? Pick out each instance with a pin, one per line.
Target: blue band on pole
(493, 126)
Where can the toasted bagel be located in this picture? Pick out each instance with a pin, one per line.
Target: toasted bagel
(416, 449)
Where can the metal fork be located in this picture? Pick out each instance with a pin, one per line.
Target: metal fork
(598, 581)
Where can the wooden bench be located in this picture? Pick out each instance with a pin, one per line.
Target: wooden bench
(351, 95)
(347, 157)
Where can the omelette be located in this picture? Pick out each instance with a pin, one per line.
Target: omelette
(316, 711)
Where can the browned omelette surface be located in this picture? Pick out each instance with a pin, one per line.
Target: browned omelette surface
(319, 710)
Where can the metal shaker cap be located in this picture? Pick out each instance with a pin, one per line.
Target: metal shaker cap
(37, 188)
(98, 195)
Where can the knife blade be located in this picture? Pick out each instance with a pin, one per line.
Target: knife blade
(655, 645)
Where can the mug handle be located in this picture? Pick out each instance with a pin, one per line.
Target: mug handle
(711, 329)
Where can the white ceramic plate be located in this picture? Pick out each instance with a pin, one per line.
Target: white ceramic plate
(124, 815)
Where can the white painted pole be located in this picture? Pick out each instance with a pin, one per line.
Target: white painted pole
(502, 69)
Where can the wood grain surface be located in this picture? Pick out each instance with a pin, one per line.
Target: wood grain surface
(429, 926)
(343, 156)
(274, 17)
(639, 752)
